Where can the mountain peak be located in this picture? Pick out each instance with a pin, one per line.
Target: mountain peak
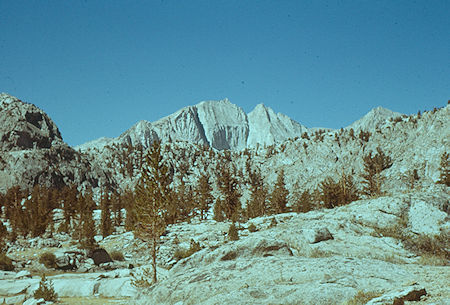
(373, 119)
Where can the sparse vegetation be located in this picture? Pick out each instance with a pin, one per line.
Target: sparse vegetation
(339, 193)
(181, 253)
(233, 233)
(444, 168)
(117, 256)
(252, 228)
(46, 290)
(48, 259)
(362, 297)
(5, 263)
(374, 164)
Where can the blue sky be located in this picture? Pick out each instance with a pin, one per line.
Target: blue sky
(97, 67)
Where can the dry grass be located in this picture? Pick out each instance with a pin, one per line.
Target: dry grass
(317, 253)
(362, 297)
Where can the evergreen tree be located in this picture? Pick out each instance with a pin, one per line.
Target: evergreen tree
(204, 198)
(444, 177)
(46, 290)
(257, 205)
(105, 222)
(228, 186)
(373, 166)
(69, 196)
(128, 201)
(278, 198)
(304, 203)
(153, 195)
(339, 193)
(86, 228)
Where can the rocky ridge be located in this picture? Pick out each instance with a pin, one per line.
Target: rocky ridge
(32, 151)
(218, 124)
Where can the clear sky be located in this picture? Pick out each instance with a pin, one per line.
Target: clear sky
(97, 67)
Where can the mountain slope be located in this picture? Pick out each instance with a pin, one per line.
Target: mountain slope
(218, 124)
(32, 151)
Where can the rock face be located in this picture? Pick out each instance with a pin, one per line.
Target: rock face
(24, 126)
(374, 119)
(219, 124)
(32, 151)
(266, 127)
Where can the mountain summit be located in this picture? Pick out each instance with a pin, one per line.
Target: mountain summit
(219, 124)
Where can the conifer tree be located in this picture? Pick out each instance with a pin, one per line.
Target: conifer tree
(87, 230)
(153, 195)
(444, 177)
(257, 205)
(278, 198)
(105, 220)
(373, 166)
(69, 196)
(339, 193)
(204, 198)
(304, 202)
(228, 186)
(129, 203)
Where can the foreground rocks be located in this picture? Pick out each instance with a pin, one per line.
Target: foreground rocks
(114, 284)
(334, 256)
(321, 257)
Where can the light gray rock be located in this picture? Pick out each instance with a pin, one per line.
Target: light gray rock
(317, 235)
(23, 274)
(33, 301)
(425, 218)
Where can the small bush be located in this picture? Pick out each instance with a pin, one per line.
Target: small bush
(183, 253)
(273, 223)
(233, 233)
(362, 297)
(252, 228)
(45, 290)
(5, 263)
(117, 256)
(48, 259)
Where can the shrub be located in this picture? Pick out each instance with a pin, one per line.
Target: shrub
(183, 253)
(45, 290)
(373, 166)
(5, 263)
(273, 222)
(444, 177)
(339, 193)
(48, 259)
(362, 297)
(233, 233)
(252, 228)
(117, 256)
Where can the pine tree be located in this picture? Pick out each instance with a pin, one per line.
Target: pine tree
(304, 203)
(444, 177)
(87, 229)
(278, 198)
(69, 196)
(339, 193)
(129, 203)
(204, 198)
(105, 222)
(373, 166)
(257, 205)
(46, 290)
(153, 195)
(228, 186)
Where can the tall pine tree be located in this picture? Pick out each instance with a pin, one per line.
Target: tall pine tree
(153, 195)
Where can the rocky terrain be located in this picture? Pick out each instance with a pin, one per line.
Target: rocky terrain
(384, 249)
